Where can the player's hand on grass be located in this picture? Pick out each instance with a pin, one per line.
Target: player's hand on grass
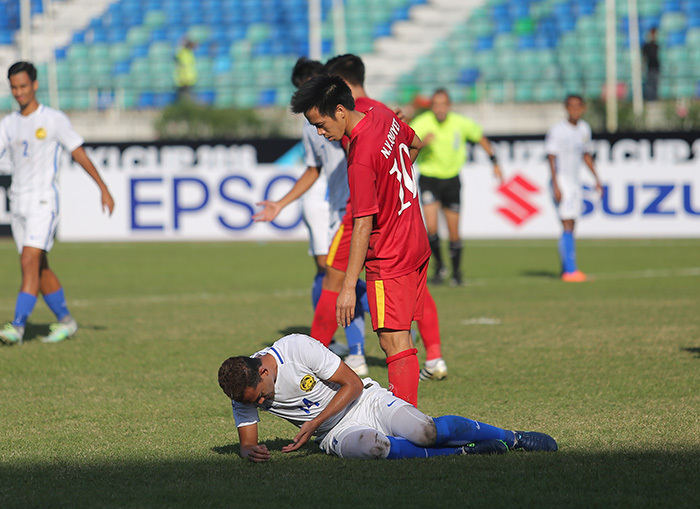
(269, 212)
(345, 306)
(258, 453)
(107, 202)
(305, 433)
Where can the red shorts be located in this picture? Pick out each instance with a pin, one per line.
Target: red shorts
(395, 303)
(339, 250)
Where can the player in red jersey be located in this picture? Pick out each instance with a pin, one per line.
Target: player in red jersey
(389, 237)
(352, 70)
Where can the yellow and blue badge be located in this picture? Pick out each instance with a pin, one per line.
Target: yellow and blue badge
(307, 383)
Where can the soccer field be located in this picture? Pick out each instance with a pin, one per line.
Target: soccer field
(129, 413)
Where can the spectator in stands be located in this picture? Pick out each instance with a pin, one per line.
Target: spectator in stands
(650, 52)
(186, 69)
(445, 134)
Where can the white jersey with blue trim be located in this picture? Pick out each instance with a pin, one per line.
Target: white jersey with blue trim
(329, 157)
(568, 143)
(33, 144)
(301, 389)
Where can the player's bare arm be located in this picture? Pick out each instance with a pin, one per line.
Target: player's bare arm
(272, 208)
(248, 436)
(83, 160)
(415, 147)
(588, 159)
(345, 305)
(486, 144)
(553, 169)
(350, 390)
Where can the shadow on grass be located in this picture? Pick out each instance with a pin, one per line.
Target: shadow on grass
(35, 331)
(693, 349)
(296, 329)
(650, 478)
(542, 274)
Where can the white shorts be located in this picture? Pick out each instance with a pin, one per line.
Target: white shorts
(34, 222)
(316, 215)
(373, 409)
(571, 203)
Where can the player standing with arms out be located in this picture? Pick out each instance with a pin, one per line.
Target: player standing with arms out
(32, 138)
(567, 144)
(352, 70)
(323, 207)
(304, 383)
(445, 134)
(388, 235)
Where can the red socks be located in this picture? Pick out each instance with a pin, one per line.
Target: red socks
(324, 325)
(403, 375)
(430, 329)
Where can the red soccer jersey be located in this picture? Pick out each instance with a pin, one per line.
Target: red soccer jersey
(382, 183)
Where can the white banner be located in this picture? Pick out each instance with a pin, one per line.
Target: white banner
(651, 189)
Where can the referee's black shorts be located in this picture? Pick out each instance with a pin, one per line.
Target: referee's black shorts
(445, 191)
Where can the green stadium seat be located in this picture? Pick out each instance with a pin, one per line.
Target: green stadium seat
(119, 51)
(154, 19)
(7, 103)
(77, 52)
(138, 35)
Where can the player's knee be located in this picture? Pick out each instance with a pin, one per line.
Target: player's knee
(370, 444)
(427, 434)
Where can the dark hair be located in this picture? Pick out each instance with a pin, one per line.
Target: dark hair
(324, 93)
(236, 374)
(19, 67)
(443, 91)
(574, 96)
(305, 69)
(349, 67)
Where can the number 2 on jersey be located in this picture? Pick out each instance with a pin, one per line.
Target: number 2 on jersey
(404, 177)
(25, 143)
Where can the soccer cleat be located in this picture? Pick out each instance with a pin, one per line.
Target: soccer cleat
(60, 331)
(493, 446)
(574, 277)
(456, 279)
(358, 364)
(340, 349)
(534, 441)
(440, 276)
(10, 335)
(436, 372)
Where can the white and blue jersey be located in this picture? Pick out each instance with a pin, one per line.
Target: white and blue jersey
(323, 205)
(34, 143)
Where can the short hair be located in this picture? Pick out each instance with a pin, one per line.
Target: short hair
(574, 96)
(349, 67)
(19, 67)
(236, 374)
(442, 91)
(324, 93)
(304, 69)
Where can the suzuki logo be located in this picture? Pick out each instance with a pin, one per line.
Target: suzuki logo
(519, 209)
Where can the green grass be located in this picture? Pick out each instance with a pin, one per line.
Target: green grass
(129, 414)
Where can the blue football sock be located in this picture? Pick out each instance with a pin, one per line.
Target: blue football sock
(57, 303)
(567, 251)
(402, 448)
(361, 293)
(23, 308)
(316, 289)
(456, 430)
(355, 332)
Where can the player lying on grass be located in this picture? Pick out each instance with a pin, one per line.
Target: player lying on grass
(306, 384)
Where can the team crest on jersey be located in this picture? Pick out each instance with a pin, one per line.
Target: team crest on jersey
(307, 383)
(41, 133)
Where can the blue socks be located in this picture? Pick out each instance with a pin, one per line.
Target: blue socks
(23, 308)
(402, 448)
(57, 303)
(316, 289)
(456, 430)
(567, 252)
(361, 292)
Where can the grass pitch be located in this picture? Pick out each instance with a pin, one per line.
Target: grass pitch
(129, 413)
